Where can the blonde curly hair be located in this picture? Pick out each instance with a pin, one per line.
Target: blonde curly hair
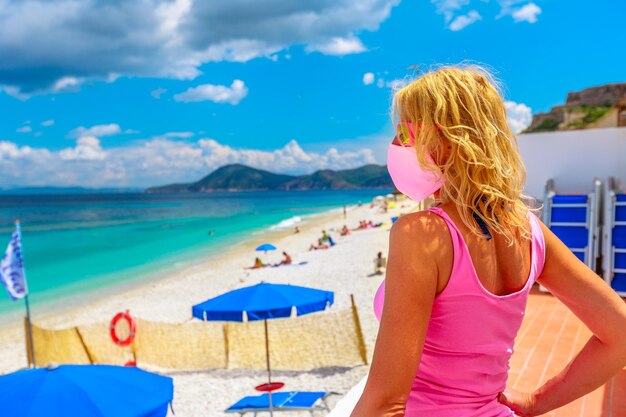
(461, 111)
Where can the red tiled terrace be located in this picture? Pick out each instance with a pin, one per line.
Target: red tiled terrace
(549, 337)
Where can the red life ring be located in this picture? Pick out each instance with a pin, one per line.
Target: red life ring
(131, 325)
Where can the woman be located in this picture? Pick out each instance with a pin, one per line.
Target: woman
(459, 274)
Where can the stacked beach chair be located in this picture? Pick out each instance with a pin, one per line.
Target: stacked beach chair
(614, 245)
(593, 226)
(575, 219)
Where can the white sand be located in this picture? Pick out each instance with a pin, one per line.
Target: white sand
(343, 269)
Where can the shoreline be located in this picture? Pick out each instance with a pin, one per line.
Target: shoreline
(182, 266)
(346, 269)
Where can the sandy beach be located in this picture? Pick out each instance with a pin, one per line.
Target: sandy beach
(347, 268)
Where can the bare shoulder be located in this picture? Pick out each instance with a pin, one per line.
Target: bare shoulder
(423, 230)
(420, 226)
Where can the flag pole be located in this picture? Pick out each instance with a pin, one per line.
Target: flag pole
(30, 332)
(30, 344)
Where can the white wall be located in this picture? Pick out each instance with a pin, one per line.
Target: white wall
(573, 159)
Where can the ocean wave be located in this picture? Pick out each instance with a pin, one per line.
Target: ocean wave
(287, 223)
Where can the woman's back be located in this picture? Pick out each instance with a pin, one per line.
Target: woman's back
(458, 277)
(471, 331)
(501, 268)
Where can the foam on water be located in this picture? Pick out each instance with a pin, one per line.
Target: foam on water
(287, 223)
(81, 243)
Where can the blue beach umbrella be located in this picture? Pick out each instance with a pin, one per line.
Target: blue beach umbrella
(85, 391)
(263, 301)
(265, 247)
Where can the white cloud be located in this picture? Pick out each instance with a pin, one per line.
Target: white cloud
(338, 46)
(61, 85)
(87, 149)
(368, 78)
(291, 158)
(457, 16)
(518, 115)
(399, 83)
(392, 84)
(156, 161)
(47, 123)
(97, 130)
(460, 22)
(527, 13)
(65, 84)
(59, 45)
(158, 92)
(449, 7)
(24, 129)
(216, 93)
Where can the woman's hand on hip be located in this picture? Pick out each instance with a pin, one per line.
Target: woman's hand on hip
(522, 403)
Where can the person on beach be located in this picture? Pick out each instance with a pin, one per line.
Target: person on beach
(345, 213)
(296, 230)
(286, 259)
(258, 263)
(324, 236)
(344, 231)
(459, 273)
(379, 263)
(320, 245)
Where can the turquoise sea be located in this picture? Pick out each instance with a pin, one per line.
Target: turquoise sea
(75, 244)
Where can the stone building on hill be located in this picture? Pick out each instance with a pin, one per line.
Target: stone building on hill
(594, 107)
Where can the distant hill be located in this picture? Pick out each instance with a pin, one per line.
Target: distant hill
(237, 177)
(593, 107)
(65, 190)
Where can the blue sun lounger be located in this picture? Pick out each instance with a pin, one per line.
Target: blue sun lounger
(614, 248)
(574, 218)
(282, 401)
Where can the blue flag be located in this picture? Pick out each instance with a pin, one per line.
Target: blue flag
(12, 267)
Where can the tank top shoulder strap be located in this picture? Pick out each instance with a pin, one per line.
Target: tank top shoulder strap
(462, 262)
(538, 246)
(462, 259)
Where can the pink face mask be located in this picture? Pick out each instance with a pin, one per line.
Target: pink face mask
(406, 173)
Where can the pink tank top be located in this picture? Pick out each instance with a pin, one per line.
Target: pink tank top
(470, 338)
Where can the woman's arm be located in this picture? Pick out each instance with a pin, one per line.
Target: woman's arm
(410, 288)
(602, 311)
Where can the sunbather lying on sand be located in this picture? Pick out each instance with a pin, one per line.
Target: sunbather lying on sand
(320, 245)
(367, 225)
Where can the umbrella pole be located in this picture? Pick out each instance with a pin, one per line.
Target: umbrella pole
(267, 362)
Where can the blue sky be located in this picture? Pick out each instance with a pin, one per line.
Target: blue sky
(146, 92)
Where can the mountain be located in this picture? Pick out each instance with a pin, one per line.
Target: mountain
(593, 107)
(45, 190)
(237, 177)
